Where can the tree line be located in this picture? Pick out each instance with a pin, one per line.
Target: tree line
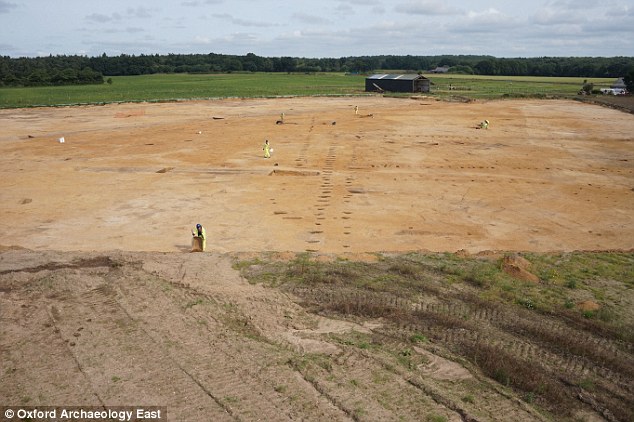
(68, 70)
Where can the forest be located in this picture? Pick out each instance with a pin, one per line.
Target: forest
(76, 70)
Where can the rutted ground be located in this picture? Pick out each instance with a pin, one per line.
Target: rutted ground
(186, 331)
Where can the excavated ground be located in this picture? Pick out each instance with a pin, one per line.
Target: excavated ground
(101, 305)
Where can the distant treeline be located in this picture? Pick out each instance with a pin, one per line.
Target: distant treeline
(68, 70)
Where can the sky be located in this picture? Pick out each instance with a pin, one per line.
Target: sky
(318, 28)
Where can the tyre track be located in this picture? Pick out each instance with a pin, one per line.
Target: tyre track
(232, 363)
(133, 365)
(481, 324)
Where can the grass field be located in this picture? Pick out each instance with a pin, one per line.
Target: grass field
(173, 87)
(511, 86)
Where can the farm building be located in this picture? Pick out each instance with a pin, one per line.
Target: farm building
(397, 83)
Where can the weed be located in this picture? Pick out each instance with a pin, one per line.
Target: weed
(382, 377)
(358, 412)
(607, 314)
(527, 303)
(587, 384)
(404, 358)
(280, 388)
(436, 418)
(418, 338)
(311, 361)
(115, 378)
(482, 274)
(353, 338)
(193, 303)
(468, 399)
(502, 376)
(529, 397)
(404, 268)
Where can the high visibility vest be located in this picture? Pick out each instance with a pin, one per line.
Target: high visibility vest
(202, 234)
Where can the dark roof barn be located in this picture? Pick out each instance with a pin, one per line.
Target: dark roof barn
(397, 83)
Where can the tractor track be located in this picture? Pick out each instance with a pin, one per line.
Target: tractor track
(458, 323)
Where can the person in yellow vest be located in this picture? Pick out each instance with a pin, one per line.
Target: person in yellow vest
(199, 231)
(267, 149)
(484, 125)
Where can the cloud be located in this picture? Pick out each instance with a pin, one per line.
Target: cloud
(549, 16)
(5, 7)
(131, 13)
(487, 21)
(243, 22)
(426, 7)
(199, 39)
(573, 5)
(491, 17)
(101, 18)
(621, 11)
(139, 12)
(310, 19)
(196, 3)
(360, 2)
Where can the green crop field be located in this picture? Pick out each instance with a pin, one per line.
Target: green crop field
(163, 87)
(173, 87)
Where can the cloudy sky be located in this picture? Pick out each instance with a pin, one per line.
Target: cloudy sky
(318, 28)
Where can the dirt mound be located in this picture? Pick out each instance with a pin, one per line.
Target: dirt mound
(588, 305)
(518, 267)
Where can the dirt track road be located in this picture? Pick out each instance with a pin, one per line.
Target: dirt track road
(404, 174)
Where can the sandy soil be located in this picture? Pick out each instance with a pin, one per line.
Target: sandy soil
(403, 174)
(99, 306)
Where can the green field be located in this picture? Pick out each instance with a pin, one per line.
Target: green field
(511, 86)
(173, 87)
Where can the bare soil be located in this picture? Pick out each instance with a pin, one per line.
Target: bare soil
(101, 303)
(403, 174)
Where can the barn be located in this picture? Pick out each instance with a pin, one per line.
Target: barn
(397, 83)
